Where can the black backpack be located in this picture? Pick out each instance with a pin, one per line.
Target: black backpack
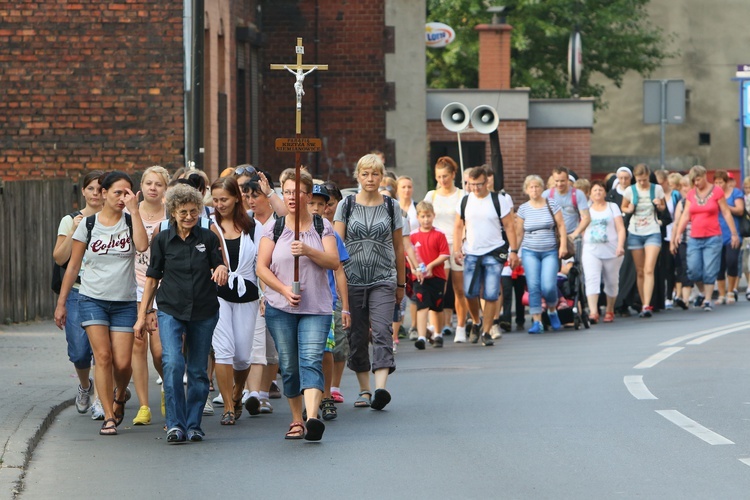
(278, 226)
(349, 207)
(495, 202)
(58, 272)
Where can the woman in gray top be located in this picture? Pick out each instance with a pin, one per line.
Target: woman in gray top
(370, 226)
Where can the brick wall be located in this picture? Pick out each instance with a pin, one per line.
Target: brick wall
(513, 147)
(549, 148)
(351, 106)
(89, 85)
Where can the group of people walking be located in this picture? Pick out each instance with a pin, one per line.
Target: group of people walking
(202, 275)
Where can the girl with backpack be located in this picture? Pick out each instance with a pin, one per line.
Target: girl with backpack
(79, 348)
(299, 321)
(107, 301)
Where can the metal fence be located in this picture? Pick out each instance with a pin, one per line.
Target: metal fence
(30, 212)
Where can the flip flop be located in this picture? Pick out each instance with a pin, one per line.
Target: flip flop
(380, 399)
(314, 429)
(362, 401)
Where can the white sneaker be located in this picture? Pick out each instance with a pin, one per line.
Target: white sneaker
(184, 379)
(460, 337)
(97, 412)
(245, 396)
(495, 332)
(208, 409)
(83, 398)
(159, 381)
(218, 400)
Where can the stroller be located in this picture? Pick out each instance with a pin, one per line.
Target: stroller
(573, 306)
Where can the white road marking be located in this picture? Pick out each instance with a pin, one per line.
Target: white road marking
(745, 461)
(706, 338)
(694, 427)
(689, 336)
(655, 359)
(637, 388)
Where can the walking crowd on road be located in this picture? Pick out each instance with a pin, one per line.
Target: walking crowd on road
(229, 283)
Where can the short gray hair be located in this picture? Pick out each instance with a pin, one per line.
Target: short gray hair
(532, 178)
(180, 195)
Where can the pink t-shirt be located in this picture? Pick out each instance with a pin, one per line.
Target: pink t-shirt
(315, 292)
(705, 213)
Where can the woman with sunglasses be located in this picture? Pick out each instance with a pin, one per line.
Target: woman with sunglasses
(247, 173)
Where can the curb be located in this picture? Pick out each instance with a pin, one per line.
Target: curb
(23, 442)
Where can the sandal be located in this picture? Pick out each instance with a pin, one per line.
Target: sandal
(119, 417)
(107, 430)
(594, 319)
(314, 429)
(362, 401)
(227, 418)
(329, 409)
(296, 431)
(237, 408)
(609, 317)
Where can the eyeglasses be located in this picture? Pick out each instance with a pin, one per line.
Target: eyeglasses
(476, 184)
(183, 214)
(244, 169)
(290, 194)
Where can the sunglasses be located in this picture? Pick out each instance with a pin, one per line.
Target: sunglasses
(244, 169)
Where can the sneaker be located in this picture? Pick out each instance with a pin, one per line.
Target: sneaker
(721, 300)
(680, 303)
(747, 294)
(668, 305)
(97, 412)
(83, 399)
(208, 408)
(536, 327)
(699, 300)
(438, 341)
(395, 347)
(265, 406)
(163, 404)
(336, 395)
(159, 381)
(554, 321)
(447, 332)
(476, 330)
(420, 344)
(505, 326)
(195, 435)
(245, 396)
(184, 379)
(401, 332)
(274, 392)
(487, 339)
(646, 312)
(413, 335)
(252, 405)
(460, 337)
(707, 306)
(496, 332)
(143, 417)
(218, 400)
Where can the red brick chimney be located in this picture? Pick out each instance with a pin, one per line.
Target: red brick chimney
(494, 56)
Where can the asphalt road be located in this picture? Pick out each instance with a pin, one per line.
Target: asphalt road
(603, 413)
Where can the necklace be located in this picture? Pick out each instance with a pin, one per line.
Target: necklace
(703, 199)
(150, 216)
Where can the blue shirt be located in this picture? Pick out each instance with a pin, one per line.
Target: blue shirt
(343, 257)
(726, 234)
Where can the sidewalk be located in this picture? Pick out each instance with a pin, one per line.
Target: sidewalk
(38, 382)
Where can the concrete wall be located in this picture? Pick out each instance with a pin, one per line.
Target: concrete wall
(711, 44)
(405, 126)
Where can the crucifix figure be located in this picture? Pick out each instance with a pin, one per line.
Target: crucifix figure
(298, 70)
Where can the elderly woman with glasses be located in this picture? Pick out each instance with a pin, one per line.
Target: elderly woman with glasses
(186, 258)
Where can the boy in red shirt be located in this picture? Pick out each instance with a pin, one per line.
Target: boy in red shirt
(431, 247)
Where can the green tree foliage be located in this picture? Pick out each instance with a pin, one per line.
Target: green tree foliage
(617, 37)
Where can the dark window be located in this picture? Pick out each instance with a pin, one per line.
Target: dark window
(474, 152)
(704, 139)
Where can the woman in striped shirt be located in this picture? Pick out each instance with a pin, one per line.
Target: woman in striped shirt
(536, 226)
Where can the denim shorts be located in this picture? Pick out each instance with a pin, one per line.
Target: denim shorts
(118, 316)
(636, 242)
(482, 274)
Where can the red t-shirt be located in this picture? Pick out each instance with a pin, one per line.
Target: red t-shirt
(704, 214)
(429, 246)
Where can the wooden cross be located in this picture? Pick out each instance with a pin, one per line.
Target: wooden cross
(298, 144)
(300, 71)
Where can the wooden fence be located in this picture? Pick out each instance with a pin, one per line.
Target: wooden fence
(30, 212)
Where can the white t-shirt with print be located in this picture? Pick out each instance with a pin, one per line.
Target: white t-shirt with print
(110, 262)
(483, 227)
(600, 237)
(643, 221)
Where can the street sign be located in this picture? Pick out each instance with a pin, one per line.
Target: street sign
(298, 145)
(673, 96)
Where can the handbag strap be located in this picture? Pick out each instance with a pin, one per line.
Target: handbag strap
(554, 222)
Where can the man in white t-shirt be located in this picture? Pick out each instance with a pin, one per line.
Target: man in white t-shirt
(484, 250)
(575, 206)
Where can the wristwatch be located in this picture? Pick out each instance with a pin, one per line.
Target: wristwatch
(513, 251)
(402, 286)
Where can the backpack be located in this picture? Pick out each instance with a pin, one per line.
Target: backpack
(58, 272)
(495, 202)
(349, 206)
(278, 226)
(573, 198)
(663, 218)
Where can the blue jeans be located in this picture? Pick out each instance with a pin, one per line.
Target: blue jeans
(79, 348)
(487, 280)
(704, 258)
(186, 415)
(540, 269)
(300, 340)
